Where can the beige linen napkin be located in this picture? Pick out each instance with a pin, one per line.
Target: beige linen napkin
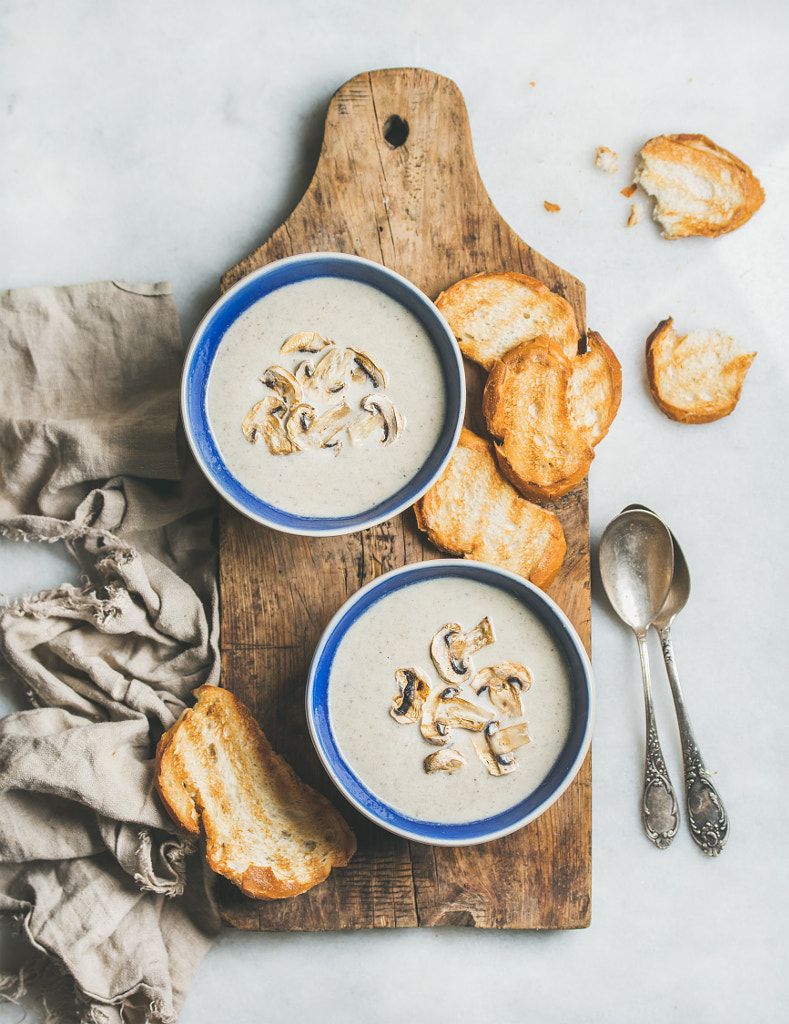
(117, 906)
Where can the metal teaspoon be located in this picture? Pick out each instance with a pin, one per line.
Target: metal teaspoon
(636, 567)
(707, 818)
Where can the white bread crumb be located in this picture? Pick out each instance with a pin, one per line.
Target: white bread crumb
(606, 159)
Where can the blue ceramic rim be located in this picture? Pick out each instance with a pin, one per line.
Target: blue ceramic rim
(227, 309)
(564, 769)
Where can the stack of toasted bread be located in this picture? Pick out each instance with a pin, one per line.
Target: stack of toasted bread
(550, 397)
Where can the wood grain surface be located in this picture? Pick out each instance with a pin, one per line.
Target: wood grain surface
(396, 182)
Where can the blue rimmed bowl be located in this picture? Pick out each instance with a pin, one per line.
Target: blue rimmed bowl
(232, 305)
(560, 774)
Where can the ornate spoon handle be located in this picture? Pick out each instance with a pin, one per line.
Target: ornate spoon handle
(659, 808)
(707, 817)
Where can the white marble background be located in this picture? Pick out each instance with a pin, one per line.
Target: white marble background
(157, 140)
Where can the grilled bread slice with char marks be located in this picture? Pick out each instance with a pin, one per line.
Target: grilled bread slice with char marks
(695, 377)
(473, 512)
(491, 313)
(265, 829)
(700, 188)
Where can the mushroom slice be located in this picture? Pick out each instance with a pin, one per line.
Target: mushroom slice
(451, 649)
(304, 373)
(455, 711)
(497, 764)
(432, 728)
(305, 341)
(445, 710)
(414, 691)
(327, 426)
(384, 417)
(504, 741)
(263, 421)
(447, 760)
(332, 373)
(504, 682)
(365, 368)
(297, 427)
(284, 383)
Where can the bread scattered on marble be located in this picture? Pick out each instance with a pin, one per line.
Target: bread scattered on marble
(695, 377)
(699, 188)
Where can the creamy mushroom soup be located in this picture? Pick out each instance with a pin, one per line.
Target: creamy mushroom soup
(388, 757)
(376, 436)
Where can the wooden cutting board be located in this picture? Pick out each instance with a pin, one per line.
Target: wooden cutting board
(396, 182)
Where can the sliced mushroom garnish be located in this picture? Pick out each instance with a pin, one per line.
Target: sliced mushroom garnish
(447, 760)
(432, 728)
(365, 368)
(297, 427)
(305, 341)
(327, 426)
(445, 710)
(504, 683)
(383, 419)
(278, 379)
(264, 421)
(414, 691)
(451, 649)
(332, 374)
(504, 741)
(304, 373)
(497, 764)
(455, 711)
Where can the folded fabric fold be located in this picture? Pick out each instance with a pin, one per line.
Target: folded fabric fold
(105, 889)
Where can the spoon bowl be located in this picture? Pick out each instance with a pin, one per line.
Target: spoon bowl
(636, 567)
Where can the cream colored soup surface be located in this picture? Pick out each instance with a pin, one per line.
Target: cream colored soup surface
(395, 632)
(353, 314)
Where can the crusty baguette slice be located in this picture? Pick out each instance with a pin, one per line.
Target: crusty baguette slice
(695, 377)
(595, 388)
(700, 188)
(265, 829)
(491, 313)
(539, 447)
(472, 511)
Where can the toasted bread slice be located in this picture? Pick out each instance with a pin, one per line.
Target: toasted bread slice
(265, 829)
(539, 447)
(700, 188)
(695, 377)
(595, 389)
(490, 314)
(472, 511)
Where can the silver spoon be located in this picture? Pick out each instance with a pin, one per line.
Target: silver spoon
(707, 818)
(636, 567)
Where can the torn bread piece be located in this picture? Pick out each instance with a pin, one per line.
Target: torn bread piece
(473, 512)
(265, 829)
(492, 313)
(700, 188)
(695, 377)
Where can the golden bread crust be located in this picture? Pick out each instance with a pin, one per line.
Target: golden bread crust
(700, 188)
(539, 447)
(265, 829)
(695, 377)
(473, 512)
(491, 313)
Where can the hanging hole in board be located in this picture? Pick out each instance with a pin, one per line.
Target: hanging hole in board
(395, 131)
